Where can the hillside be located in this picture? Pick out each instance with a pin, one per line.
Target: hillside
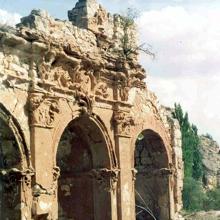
(211, 162)
(201, 156)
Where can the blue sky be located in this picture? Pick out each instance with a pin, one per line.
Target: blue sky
(59, 8)
(185, 36)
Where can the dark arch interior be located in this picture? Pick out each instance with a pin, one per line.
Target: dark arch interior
(81, 150)
(9, 160)
(152, 184)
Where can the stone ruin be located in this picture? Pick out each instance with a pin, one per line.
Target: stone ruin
(81, 135)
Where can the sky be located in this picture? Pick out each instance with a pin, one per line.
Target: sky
(185, 37)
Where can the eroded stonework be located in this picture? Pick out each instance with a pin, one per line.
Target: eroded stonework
(87, 139)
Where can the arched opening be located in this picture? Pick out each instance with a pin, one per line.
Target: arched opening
(152, 178)
(10, 164)
(83, 157)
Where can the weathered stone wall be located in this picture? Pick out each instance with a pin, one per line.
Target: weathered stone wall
(75, 74)
(173, 125)
(116, 32)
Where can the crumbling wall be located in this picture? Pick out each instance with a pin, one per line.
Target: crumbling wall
(177, 161)
(54, 73)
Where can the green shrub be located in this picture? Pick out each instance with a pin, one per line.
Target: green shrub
(193, 195)
(212, 201)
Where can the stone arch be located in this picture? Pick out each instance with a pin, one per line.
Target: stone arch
(88, 170)
(14, 163)
(151, 123)
(97, 121)
(151, 159)
(15, 127)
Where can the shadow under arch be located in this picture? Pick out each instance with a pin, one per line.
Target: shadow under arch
(151, 161)
(85, 161)
(14, 159)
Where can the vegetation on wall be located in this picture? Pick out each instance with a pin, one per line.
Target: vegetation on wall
(194, 196)
(128, 24)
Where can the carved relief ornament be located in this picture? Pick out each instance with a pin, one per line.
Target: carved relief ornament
(123, 123)
(43, 110)
(63, 73)
(14, 175)
(13, 179)
(106, 178)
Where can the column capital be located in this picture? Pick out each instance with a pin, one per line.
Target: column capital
(123, 122)
(106, 178)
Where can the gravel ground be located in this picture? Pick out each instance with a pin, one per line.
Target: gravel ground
(211, 215)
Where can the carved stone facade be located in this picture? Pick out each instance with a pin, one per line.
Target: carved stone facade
(87, 137)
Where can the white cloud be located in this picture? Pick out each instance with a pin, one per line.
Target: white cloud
(187, 68)
(198, 95)
(183, 40)
(9, 18)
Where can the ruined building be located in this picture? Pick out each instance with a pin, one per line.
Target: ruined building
(81, 136)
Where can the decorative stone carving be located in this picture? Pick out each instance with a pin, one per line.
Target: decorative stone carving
(60, 72)
(107, 179)
(62, 77)
(43, 110)
(163, 172)
(82, 81)
(44, 67)
(85, 103)
(101, 90)
(12, 179)
(123, 122)
(16, 173)
(27, 177)
(124, 92)
(75, 77)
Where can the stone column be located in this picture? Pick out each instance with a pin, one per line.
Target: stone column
(123, 123)
(43, 113)
(176, 180)
(105, 183)
(166, 201)
(26, 193)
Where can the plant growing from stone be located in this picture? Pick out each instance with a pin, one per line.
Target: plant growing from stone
(127, 40)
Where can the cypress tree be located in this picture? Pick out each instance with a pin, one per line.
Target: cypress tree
(191, 156)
